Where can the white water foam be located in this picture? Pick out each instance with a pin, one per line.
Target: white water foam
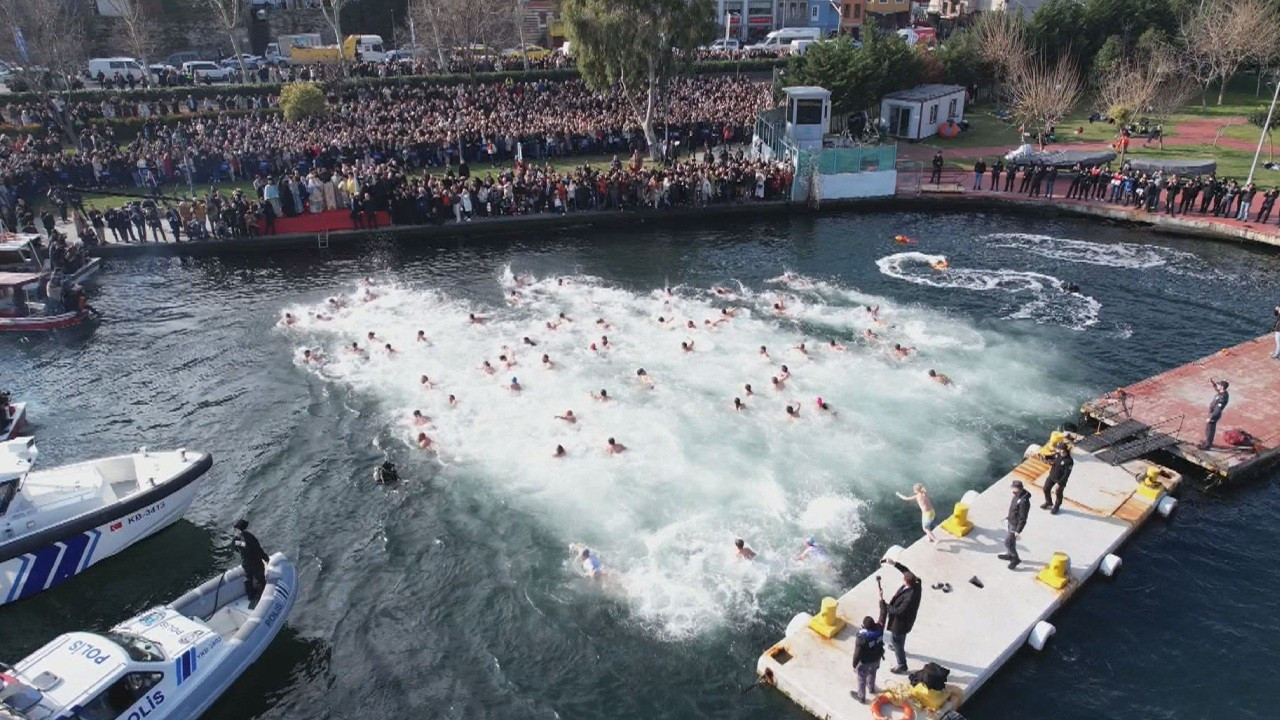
(1117, 255)
(663, 515)
(1042, 296)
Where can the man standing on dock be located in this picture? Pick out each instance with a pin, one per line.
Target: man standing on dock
(1058, 476)
(1216, 406)
(935, 177)
(1016, 520)
(1275, 330)
(901, 614)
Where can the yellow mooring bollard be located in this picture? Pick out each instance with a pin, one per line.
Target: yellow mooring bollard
(1150, 487)
(827, 623)
(958, 524)
(1057, 573)
(1055, 438)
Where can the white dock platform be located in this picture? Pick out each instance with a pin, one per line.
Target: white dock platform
(973, 631)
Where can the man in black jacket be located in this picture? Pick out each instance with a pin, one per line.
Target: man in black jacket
(1058, 476)
(1216, 406)
(900, 613)
(253, 560)
(1016, 520)
(868, 651)
(935, 177)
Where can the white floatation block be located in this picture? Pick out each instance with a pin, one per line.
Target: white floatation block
(1040, 634)
(1110, 565)
(1166, 505)
(798, 623)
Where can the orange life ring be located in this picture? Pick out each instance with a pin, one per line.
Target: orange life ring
(903, 240)
(877, 708)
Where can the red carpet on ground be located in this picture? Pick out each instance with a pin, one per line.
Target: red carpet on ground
(319, 222)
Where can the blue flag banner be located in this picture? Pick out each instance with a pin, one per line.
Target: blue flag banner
(21, 42)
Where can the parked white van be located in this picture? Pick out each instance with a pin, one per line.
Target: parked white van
(780, 39)
(126, 66)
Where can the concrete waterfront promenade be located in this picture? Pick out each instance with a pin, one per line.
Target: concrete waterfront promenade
(945, 198)
(1167, 412)
(974, 630)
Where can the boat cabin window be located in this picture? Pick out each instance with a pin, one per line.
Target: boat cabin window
(8, 490)
(119, 697)
(139, 650)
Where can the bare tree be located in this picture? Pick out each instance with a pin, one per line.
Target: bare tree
(332, 11)
(51, 51)
(1042, 93)
(1222, 35)
(139, 30)
(465, 28)
(1002, 38)
(228, 14)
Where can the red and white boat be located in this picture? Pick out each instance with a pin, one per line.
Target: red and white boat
(19, 253)
(18, 314)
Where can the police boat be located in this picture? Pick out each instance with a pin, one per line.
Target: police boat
(55, 523)
(13, 416)
(169, 663)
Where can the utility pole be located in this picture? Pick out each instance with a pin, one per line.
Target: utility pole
(1266, 127)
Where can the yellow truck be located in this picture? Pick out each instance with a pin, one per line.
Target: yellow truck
(368, 48)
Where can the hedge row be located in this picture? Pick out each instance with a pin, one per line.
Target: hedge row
(212, 91)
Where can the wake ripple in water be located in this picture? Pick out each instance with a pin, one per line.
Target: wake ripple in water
(1043, 298)
(1117, 255)
(697, 474)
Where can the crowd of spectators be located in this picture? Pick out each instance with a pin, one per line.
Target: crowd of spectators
(404, 151)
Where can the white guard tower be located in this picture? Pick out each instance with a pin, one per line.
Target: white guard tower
(808, 116)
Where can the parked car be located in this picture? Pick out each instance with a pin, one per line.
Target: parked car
(186, 56)
(126, 66)
(399, 56)
(201, 70)
(157, 68)
(251, 62)
(724, 44)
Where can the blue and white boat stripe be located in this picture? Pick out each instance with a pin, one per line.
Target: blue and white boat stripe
(52, 564)
(185, 666)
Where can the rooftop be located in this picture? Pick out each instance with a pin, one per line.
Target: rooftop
(920, 93)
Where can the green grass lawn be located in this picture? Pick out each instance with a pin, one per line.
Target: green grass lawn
(1240, 102)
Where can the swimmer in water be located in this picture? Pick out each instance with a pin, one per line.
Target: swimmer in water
(615, 448)
(602, 396)
(515, 385)
(741, 551)
(813, 551)
(833, 345)
(368, 296)
(779, 309)
(662, 320)
(373, 337)
(453, 400)
(730, 312)
(592, 347)
(510, 362)
(870, 335)
(785, 374)
(514, 298)
(777, 384)
(568, 417)
(355, 349)
(738, 405)
(940, 378)
(689, 325)
(687, 346)
(424, 442)
(322, 317)
(747, 389)
(644, 378)
(793, 411)
(604, 342)
(546, 362)
(764, 352)
(872, 311)
(487, 368)
(426, 383)
(552, 326)
(600, 323)
(390, 350)
(419, 419)
(901, 352)
(314, 358)
(590, 563)
(560, 452)
(289, 319)
(920, 497)
(719, 290)
(422, 336)
(825, 406)
(802, 349)
(564, 318)
(528, 342)
(477, 319)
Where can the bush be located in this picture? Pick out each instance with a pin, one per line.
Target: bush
(302, 100)
(1121, 113)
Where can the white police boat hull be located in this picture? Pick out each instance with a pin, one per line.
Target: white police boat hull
(17, 421)
(56, 523)
(169, 663)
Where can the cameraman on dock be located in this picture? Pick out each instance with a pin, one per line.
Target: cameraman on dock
(1216, 406)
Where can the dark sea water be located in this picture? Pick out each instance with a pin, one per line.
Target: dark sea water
(450, 599)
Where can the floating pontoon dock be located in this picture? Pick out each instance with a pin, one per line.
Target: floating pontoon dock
(1168, 412)
(973, 631)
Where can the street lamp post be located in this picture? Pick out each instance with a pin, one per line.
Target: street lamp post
(1266, 126)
